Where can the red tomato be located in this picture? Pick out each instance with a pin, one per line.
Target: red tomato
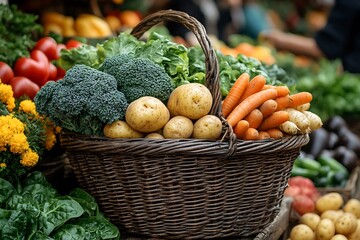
(303, 204)
(48, 46)
(35, 68)
(52, 72)
(301, 182)
(60, 73)
(23, 86)
(58, 49)
(6, 73)
(72, 43)
(292, 191)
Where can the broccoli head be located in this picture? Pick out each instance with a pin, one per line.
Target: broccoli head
(83, 101)
(138, 77)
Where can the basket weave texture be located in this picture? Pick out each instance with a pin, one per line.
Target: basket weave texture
(185, 188)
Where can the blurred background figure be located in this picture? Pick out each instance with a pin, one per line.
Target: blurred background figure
(221, 18)
(338, 39)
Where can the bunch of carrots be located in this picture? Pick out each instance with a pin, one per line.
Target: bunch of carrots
(257, 110)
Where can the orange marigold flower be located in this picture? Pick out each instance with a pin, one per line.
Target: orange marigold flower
(18, 143)
(29, 158)
(28, 106)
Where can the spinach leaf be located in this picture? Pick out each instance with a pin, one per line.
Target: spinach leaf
(40, 236)
(97, 227)
(56, 212)
(6, 189)
(15, 226)
(39, 193)
(69, 232)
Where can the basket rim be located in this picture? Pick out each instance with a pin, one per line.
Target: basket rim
(182, 147)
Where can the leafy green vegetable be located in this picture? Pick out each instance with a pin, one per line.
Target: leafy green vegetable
(334, 92)
(18, 32)
(37, 211)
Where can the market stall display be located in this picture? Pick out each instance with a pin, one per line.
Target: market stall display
(172, 141)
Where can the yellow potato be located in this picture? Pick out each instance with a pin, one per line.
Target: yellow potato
(353, 206)
(302, 232)
(192, 100)
(154, 136)
(329, 201)
(310, 219)
(346, 224)
(207, 127)
(120, 129)
(325, 230)
(356, 234)
(339, 237)
(178, 127)
(333, 215)
(147, 114)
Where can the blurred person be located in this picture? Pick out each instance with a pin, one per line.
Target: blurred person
(221, 18)
(338, 39)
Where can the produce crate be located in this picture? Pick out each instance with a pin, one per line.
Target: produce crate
(351, 190)
(186, 188)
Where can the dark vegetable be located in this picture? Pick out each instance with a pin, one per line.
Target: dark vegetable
(335, 123)
(350, 140)
(346, 157)
(318, 142)
(333, 140)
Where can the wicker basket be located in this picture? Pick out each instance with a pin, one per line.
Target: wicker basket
(186, 188)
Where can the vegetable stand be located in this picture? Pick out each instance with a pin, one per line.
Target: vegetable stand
(186, 188)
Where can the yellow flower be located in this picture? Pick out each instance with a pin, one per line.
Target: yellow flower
(6, 92)
(50, 139)
(2, 165)
(18, 143)
(10, 104)
(28, 106)
(29, 158)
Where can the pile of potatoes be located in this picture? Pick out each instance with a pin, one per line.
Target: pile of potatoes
(185, 115)
(333, 219)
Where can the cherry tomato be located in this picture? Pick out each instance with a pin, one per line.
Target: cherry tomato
(52, 72)
(58, 49)
(72, 43)
(48, 46)
(6, 73)
(36, 68)
(22, 86)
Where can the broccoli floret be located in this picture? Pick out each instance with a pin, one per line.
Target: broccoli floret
(83, 101)
(138, 77)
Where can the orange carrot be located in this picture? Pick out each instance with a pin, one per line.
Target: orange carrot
(275, 133)
(282, 90)
(254, 118)
(300, 98)
(267, 86)
(268, 107)
(240, 128)
(234, 94)
(274, 120)
(251, 134)
(264, 135)
(249, 104)
(255, 85)
(293, 100)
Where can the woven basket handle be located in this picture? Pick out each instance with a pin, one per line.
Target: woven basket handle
(212, 81)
